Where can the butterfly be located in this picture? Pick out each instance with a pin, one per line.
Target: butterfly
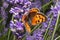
(34, 17)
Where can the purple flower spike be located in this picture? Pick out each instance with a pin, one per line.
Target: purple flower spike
(19, 26)
(19, 8)
(16, 10)
(4, 15)
(36, 2)
(30, 38)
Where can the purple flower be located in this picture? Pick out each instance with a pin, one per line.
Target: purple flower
(16, 10)
(45, 1)
(19, 25)
(5, 4)
(17, 1)
(45, 25)
(4, 15)
(16, 25)
(21, 7)
(12, 1)
(36, 4)
(54, 11)
(38, 34)
(30, 38)
(17, 28)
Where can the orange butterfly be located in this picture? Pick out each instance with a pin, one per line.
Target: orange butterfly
(34, 17)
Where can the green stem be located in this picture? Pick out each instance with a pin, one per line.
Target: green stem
(55, 27)
(14, 37)
(1, 20)
(35, 27)
(12, 18)
(57, 37)
(24, 38)
(45, 35)
(8, 34)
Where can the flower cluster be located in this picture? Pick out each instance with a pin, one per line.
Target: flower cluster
(23, 6)
(17, 27)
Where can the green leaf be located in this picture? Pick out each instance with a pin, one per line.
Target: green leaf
(8, 34)
(57, 38)
(47, 6)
